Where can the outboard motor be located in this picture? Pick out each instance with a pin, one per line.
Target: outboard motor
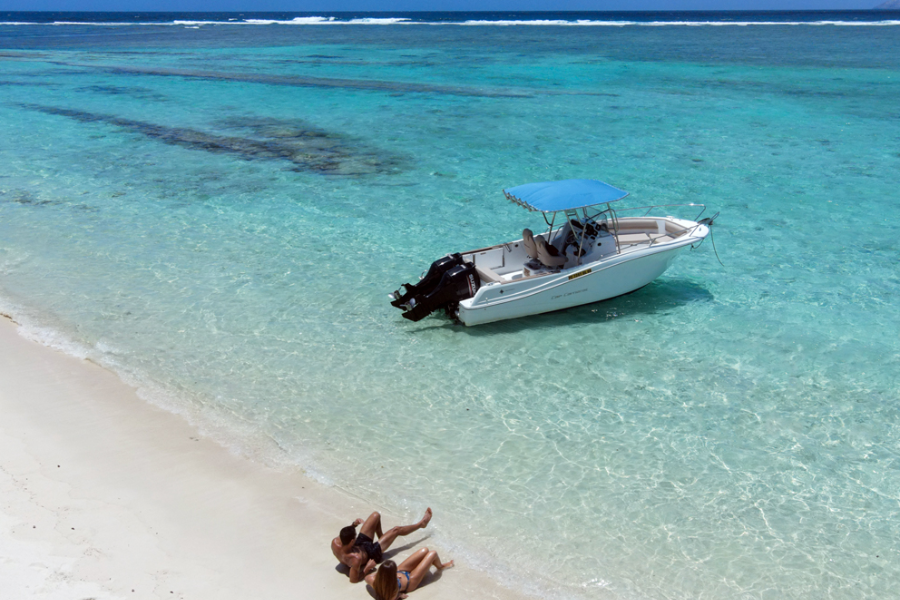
(428, 282)
(457, 284)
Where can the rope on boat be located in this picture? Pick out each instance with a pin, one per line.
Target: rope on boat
(713, 239)
(709, 223)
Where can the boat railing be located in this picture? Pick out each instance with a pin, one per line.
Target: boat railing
(647, 210)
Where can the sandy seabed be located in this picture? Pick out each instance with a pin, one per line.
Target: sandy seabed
(103, 495)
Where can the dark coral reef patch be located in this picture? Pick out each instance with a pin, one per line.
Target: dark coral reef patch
(305, 147)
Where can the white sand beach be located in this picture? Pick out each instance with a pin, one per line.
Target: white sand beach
(103, 495)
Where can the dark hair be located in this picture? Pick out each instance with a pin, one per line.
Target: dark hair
(385, 584)
(348, 534)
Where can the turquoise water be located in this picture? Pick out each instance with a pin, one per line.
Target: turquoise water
(218, 214)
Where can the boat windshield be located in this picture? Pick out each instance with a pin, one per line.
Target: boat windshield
(576, 227)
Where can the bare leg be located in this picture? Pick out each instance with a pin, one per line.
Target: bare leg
(438, 564)
(413, 560)
(372, 526)
(421, 569)
(402, 530)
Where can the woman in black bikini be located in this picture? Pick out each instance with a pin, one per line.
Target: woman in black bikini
(392, 582)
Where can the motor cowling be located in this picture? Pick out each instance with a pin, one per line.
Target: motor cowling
(429, 281)
(459, 283)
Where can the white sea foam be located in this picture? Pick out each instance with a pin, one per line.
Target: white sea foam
(88, 23)
(294, 21)
(507, 23)
(32, 329)
(546, 22)
(325, 21)
(374, 21)
(197, 23)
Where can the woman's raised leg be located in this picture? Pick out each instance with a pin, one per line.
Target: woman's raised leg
(425, 561)
(413, 560)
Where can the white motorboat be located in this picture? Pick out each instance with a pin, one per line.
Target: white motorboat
(590, 252)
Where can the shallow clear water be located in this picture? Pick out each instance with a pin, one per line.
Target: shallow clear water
(218, 214)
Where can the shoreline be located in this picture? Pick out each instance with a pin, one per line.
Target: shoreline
(105, 495)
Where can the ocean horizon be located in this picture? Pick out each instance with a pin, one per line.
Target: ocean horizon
(215, 206)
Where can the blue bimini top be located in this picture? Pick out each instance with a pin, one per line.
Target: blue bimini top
(568, 194)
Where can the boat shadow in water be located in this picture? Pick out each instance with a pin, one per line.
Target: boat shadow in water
(657, 297)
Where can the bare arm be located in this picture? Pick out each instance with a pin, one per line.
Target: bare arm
(354, 575)
(356, 571)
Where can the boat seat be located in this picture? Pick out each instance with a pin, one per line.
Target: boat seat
(630, 239)
(561, 239)
(488, 275)
(547, 254)
(528, 243)
(530, 250)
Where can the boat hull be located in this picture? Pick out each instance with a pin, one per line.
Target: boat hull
(593, 282)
